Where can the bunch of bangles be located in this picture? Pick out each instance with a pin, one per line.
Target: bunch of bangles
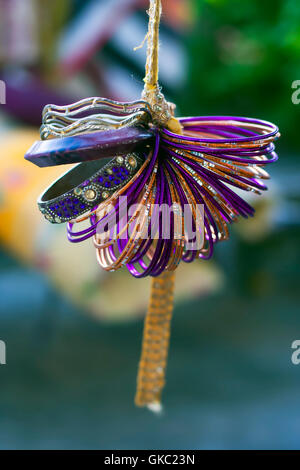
(150, 190)
(124, 159)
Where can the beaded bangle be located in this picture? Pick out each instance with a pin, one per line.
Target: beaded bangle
(86, 185)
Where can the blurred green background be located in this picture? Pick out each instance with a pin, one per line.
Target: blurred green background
(72, 354)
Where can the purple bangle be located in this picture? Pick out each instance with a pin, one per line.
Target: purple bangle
(273, 130)
(87, 147)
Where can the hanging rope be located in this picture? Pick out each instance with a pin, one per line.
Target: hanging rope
(152, 62)
(152, 366)
(163, 112)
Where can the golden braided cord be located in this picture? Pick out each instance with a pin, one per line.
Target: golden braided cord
(151, 374)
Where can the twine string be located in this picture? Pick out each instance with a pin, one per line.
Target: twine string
(162, 111)
(152, 62)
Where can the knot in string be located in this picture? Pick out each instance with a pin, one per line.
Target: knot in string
(162, 111)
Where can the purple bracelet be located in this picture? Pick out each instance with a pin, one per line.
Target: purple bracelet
(88, 147)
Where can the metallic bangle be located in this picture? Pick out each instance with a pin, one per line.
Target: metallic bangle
(92, 114)
(87, 147)
(86, 185)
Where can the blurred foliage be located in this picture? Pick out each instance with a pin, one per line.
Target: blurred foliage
(244, 57)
